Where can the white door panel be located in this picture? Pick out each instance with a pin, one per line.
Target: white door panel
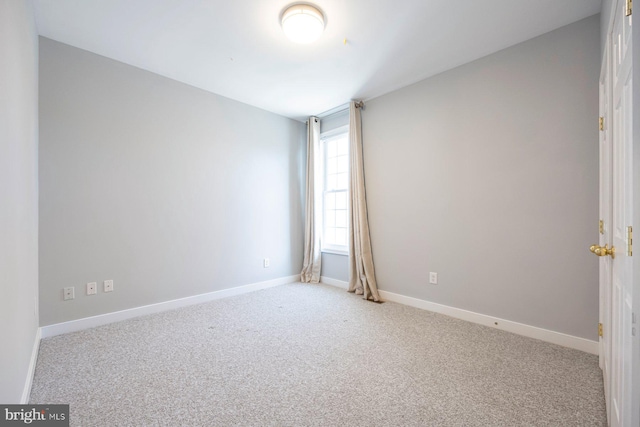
(616, 186)
(621, 273)
(605, 226)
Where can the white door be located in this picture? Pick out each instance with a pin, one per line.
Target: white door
(605, 223)
(621, 266)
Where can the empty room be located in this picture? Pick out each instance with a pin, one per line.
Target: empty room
(324, 213)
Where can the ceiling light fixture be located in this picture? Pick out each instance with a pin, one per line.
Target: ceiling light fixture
(302, 23)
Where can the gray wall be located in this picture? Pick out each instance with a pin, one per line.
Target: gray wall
(18, 195)
(166, 189)
(487, 175)
(334, 121)
(335, 266)
(605, 17)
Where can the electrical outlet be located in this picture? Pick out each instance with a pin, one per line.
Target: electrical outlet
(92, 288)
(69, 293)
(108, 285)
(266, 263)
(433, 278)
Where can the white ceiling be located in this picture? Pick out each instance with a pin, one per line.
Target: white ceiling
(237, 49)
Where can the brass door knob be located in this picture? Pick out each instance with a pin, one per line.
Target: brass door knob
(603, 251)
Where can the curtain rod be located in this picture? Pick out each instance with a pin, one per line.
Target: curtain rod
(335, 110)
(338, 109)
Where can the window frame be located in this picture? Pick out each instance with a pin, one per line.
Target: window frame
(324, 138)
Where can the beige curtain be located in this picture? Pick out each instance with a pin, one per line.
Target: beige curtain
(362, 276)
(312, 256)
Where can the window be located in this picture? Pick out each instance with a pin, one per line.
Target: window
(335, 206)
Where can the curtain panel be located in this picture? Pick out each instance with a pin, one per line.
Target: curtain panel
(362, 276)
(313, 219)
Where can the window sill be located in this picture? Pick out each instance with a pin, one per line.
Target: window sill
(334, 252)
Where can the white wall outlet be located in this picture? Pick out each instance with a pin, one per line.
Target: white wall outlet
(69, 293)
(266, 263)
(433, 278)
(92, 288)
(108, 285)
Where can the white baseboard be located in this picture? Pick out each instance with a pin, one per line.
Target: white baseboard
(482, 319)
(103, 319)
(334, 282)
(26, 392)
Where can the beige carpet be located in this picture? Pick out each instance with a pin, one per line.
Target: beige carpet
(313, 355)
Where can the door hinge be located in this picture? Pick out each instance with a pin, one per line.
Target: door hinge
(600, 333)
(601, 226)
(628, 10)
(601, 121)
(629, 240)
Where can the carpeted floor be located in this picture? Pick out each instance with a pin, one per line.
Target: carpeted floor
(314, 355)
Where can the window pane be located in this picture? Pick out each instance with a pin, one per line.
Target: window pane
(332, 165)
(343, 164)
(330, 201)
(332, 150)
(332, 182)
(342, 181)
(341, 218)
(329, 218)
(343, 145)
(335, 231)
(330, 236)
(341, 200)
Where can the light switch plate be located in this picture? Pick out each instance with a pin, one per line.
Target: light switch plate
(92, 288)
(433, 278)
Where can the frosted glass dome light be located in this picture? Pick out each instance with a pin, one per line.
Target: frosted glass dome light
(302, 23)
